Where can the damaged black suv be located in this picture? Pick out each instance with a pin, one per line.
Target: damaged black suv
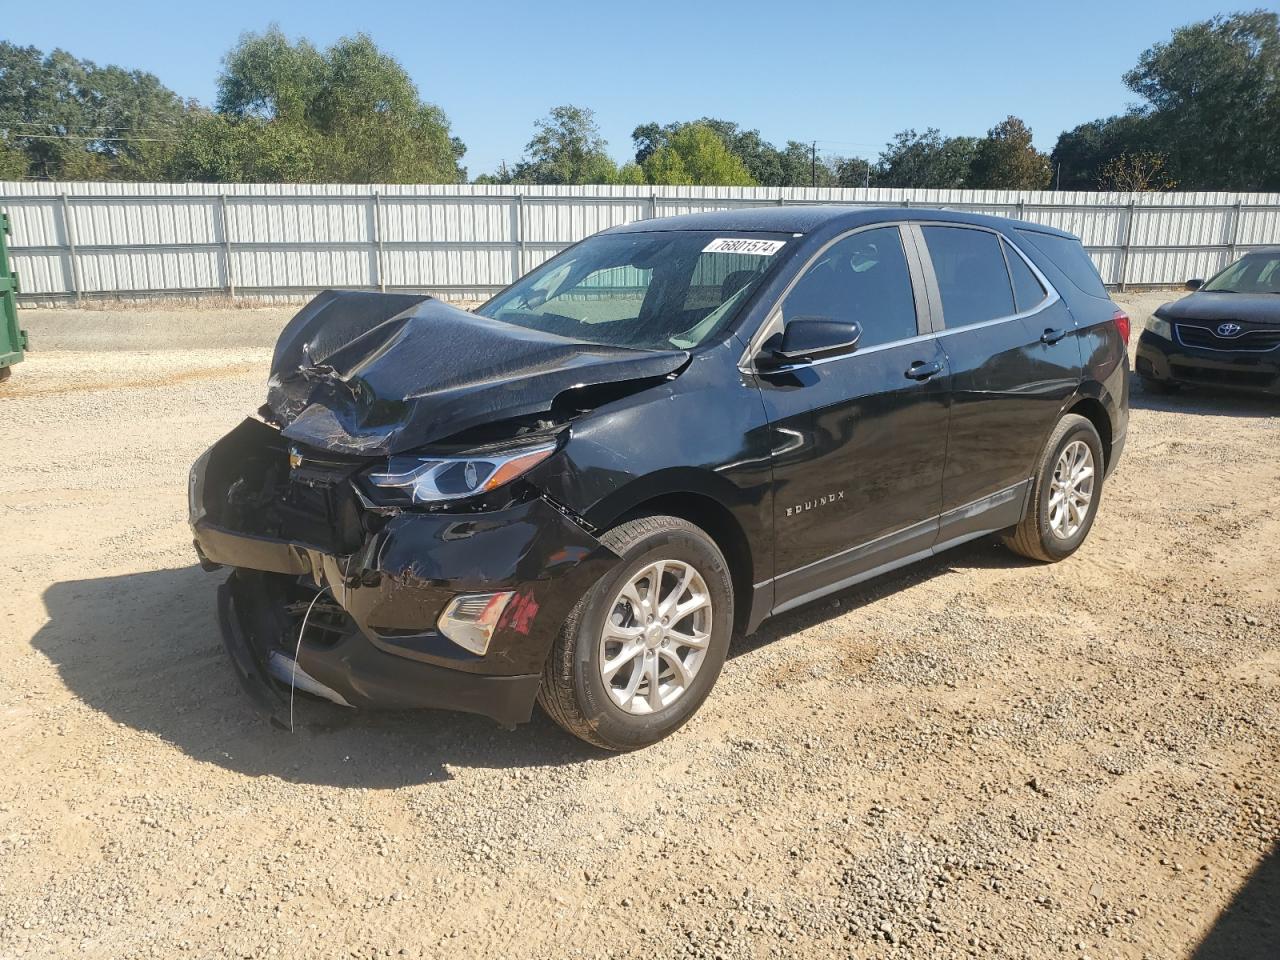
(658, 438)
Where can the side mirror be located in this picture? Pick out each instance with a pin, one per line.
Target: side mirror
(1194, 284)
(812, 338)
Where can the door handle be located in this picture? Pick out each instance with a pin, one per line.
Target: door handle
(923, 370)
(1052, 336)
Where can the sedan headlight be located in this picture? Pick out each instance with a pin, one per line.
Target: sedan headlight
(422, 479)
(1160, 327)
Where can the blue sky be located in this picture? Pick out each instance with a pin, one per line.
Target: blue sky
(845, 74)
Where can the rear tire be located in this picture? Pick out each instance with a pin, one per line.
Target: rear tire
(589, 686)
(1053, 528)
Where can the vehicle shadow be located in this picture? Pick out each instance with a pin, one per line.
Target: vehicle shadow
(981, 554)
(1204, 400)
(1249, 927)
(144, 649)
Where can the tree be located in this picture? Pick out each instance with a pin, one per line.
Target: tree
(851, 172)
(1081, 153)
(1006, 159)
(13, 162)
(349, 113)
(1213, 101)
(566, 148)
(1134, 172)
(631, 174)
(765, 164)
(926, 159)
(75, 120)
(696, 154)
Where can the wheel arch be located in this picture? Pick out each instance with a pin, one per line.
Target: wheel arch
(690, 495)
(1091, 409)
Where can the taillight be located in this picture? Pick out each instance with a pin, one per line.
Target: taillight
(1121, 320)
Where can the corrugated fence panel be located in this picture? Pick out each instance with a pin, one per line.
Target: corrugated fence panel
(75, 241)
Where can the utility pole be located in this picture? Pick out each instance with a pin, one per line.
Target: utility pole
(813, 164)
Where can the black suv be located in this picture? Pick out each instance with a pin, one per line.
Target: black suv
(658, 438)
(1225, 334)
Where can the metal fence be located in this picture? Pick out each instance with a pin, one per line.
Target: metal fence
(74, 242)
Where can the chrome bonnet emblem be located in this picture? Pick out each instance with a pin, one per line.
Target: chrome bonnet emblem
(1228, 329)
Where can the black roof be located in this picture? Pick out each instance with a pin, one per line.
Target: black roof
(806, 218)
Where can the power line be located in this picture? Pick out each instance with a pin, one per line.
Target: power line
(63, 136)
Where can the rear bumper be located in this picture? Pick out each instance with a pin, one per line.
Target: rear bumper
(379, 645)
(1168, 361)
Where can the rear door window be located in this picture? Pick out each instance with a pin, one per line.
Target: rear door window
(864, 278)
(972, 277)
(1070, 257)
(1027, 290)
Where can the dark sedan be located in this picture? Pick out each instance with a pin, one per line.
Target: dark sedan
(1225, 334)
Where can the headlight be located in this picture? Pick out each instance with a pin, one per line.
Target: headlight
(1161, 328)
(418, 479)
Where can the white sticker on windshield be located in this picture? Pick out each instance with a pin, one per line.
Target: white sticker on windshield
(759, 248)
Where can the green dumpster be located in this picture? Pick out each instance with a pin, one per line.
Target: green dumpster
(13, 342)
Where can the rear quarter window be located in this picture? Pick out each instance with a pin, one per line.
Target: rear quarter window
(1069, 256)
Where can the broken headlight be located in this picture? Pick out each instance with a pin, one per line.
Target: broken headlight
(426, 479)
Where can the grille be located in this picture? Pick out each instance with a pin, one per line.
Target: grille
(1254, 341)
(1227, 377)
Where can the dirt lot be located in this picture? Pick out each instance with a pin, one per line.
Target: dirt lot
(978, 756)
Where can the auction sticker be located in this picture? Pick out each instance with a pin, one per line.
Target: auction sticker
(759, 248)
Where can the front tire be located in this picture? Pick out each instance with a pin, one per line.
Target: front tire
(642, 649)
(1064, 501)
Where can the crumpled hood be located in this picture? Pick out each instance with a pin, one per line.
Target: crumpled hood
(371, 374)
(1217, 307)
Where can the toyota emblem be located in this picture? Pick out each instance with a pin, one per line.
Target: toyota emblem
(1228, 329)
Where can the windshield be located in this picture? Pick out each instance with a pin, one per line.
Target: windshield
(647, 290)
(1256, 273)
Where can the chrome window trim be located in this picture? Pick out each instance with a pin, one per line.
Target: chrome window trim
(773, 322)
(1051, 293)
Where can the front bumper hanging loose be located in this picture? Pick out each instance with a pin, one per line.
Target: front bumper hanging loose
(373, 641)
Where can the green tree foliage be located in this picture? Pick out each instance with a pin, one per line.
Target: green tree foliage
(13, 161)
(696, 154)
(74, 120)
(926, 159)
(1006, 159)
(767, 165)
(566, 148)
(852, 172)
(1081, 153)
(1136, 172)
(1212, 108)
(287, 111)
(1213, 99)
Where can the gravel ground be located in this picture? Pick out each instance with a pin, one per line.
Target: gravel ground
(974, 757)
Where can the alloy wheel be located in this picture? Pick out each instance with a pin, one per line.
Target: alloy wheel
(1071, 490)
(655, 636)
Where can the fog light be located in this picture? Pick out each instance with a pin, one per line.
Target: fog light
(470, 619)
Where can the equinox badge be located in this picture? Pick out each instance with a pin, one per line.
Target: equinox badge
(819, 502)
